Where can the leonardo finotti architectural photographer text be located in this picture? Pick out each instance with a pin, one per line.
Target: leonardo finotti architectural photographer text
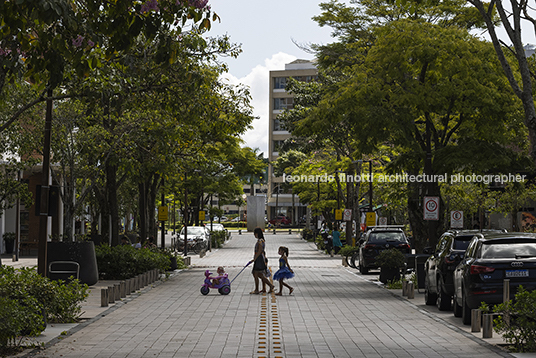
(407, 178)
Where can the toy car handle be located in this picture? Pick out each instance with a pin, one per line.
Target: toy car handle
(240, 272)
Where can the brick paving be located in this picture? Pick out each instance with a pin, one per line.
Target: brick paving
(334, 312)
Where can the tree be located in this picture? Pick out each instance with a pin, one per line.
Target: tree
(407, 77)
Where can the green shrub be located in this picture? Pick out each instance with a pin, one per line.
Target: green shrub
(217, 238)
(124, 261)
(26, 297)
(348, 250)
(519, 329)
(241, 224)
(392, 258)
(319, 241)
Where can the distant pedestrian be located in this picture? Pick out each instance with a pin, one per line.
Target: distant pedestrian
(137, 245)
(284, 272)
(259, 262)
(125, 241)
(337, 244)
(150, 243)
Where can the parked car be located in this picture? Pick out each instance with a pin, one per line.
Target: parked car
(220, 219)
(220, 227)
(198, 238)
(439, 268)
(280, 220)
(488, 260)
(374, 241)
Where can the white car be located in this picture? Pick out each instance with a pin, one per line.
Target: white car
(197, 236)
(222, 219)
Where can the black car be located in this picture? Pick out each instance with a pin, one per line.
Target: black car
(488, 261)
(439, 268)
(377, 239)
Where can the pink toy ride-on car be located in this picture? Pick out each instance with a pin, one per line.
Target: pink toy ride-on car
(222, 283)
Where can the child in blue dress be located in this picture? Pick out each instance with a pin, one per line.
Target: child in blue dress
(284, 272)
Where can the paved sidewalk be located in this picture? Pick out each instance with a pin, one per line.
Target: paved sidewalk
(334, 312)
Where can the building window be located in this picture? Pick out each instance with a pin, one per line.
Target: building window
(283, 103)
(277, 125)
(306, 78)
(280, 82)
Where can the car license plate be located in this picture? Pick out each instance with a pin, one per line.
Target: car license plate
(517, 273)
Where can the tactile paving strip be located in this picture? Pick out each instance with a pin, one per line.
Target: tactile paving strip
(269, 340)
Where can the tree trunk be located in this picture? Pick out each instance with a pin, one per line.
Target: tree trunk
(111, 193)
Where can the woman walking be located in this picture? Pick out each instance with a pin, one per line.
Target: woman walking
(259, 262)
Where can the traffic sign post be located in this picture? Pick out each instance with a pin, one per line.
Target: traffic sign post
(431, 208)
(456, 219)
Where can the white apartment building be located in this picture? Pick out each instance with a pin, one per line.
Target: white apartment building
(279, 199)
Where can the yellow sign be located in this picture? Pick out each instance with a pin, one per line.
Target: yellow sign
(162, 213)
(371, 218)
(202, 215)
(338, 214)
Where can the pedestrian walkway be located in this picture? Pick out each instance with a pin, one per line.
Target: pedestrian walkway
(333, 312)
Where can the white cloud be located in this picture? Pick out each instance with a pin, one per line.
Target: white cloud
(257, 81)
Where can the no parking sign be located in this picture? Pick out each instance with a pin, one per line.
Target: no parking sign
(456, 219)
(431, 208)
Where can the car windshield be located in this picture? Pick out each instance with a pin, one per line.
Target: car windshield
(461, 242)
(194, 230)
(508, 250)
(386, 236)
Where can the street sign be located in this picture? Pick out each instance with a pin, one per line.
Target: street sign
(338, 214)
(456, 219)
(431, 208)
(201, 215)
(371, 218)
(382, 221)
(162, 213)
(347, 215)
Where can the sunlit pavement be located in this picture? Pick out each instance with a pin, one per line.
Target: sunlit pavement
(333, 312)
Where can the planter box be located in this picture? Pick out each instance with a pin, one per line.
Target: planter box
(82, 253)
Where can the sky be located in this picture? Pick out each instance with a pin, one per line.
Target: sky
(267, 31)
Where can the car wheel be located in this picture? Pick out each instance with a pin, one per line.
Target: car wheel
(443, 300)
(466, 311)
(205, 290)
(429, 297)
(456, 307)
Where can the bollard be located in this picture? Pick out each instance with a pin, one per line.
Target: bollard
(111, 295)
(506, 290)
(290, 231)
(274, 231)
(117, 292)
(239, 231)
(487, 326)
(127, 286)
(476, 320)
(404, 288)
(122, 289)
(136, 283)
(104, 297)
(411, 291)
